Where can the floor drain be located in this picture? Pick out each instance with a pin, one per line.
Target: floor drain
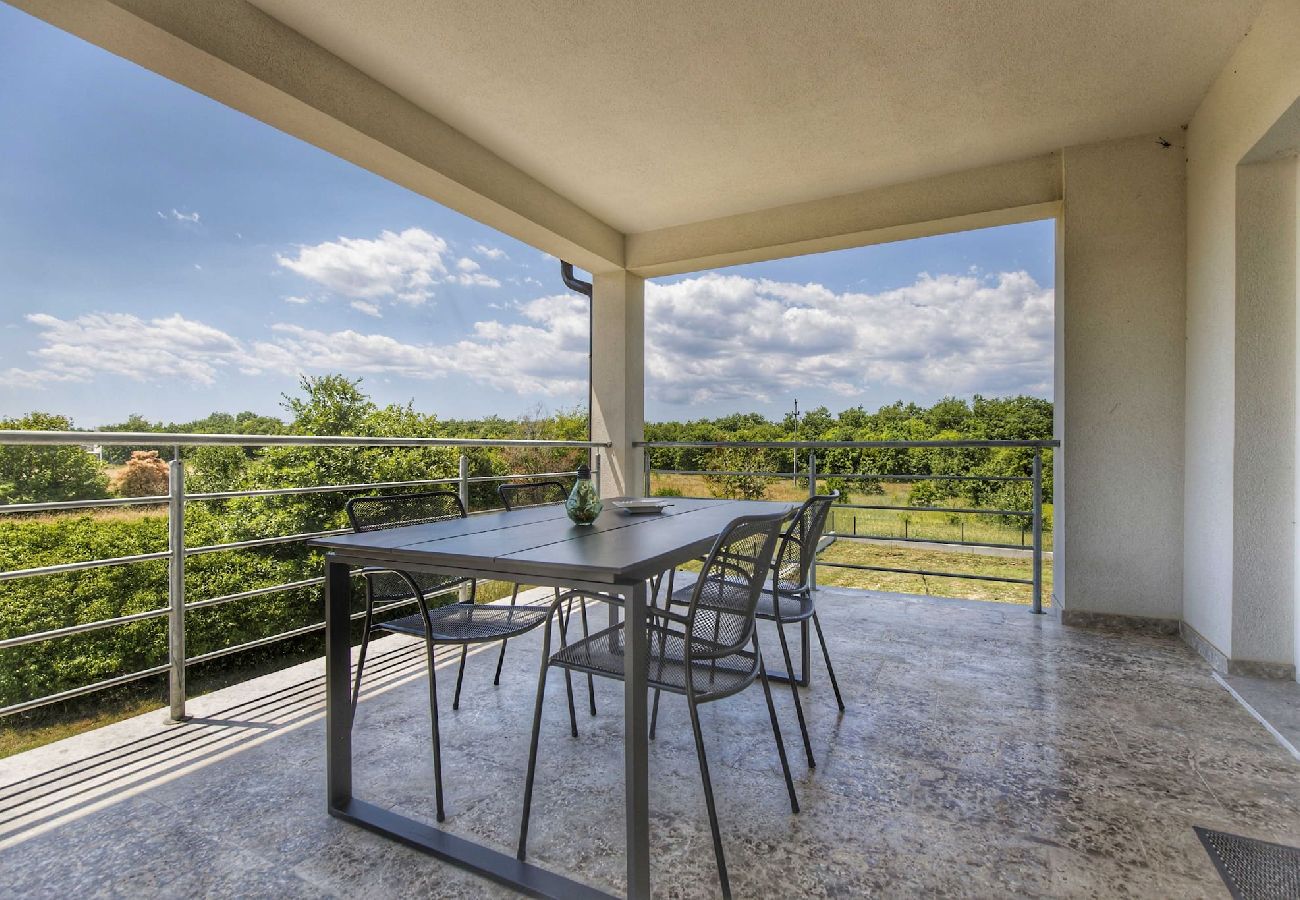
(1253, 870)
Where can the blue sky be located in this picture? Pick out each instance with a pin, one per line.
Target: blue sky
(165, 255)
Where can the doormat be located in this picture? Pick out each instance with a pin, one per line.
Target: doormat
(1253, 870)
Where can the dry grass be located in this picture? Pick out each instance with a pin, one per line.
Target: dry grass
(861, 553)
(882, 522)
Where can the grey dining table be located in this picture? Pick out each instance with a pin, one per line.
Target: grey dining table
(536, 545)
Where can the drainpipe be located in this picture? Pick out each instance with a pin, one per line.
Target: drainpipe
(582, 287)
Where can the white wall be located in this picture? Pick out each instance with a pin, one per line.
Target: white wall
(1265, 396)
(1120, 365)
(1260, 81)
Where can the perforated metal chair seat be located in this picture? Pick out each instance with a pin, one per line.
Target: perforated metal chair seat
(785, 607)
(460, 623)
(603, 653)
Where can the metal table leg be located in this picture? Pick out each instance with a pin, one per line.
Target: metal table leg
(503, 868)
(338, 700)
(635, 743)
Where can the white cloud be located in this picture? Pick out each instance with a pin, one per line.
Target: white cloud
(393, 266)
(300, 301)
(723, 337)
(177, 216)
(715, 337)
(366, 307)
(124, 345)
(490, 252)
(473, 278)
(465, 264)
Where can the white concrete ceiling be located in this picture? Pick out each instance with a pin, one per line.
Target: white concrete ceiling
(662, 112)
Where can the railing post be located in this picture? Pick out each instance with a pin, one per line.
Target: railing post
(645, 455)
(463, 489)
(812, 492)
(176, 586)
(1038, 529)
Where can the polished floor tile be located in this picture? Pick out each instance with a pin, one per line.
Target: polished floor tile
(985, 752)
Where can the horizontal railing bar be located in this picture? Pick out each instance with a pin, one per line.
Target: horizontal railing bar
(285, 635)
(815, 445)
(930, 540)
(319, 489)
(37, 636)
(835, 565)
(260, 642)
(481, 478)
(824, 476)
(54, 505)
(78, 566)
(942, 509)
(726, 472)
(153, 438)
(264, 542)
(84, 689)
(257, 592)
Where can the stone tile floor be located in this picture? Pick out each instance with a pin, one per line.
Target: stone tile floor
(985, 752)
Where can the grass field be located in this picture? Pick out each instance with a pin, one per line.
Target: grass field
(908, 523)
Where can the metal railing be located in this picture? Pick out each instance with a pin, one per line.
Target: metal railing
(176, 554)
(1033, 516)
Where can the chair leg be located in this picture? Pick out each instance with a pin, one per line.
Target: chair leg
(794, 692)
(433, 719)
(776, 733)
(496, 679)
(654, 709)
(708, 798)
(460, 676)
(826, 654)
(522, 849)
(591, 681)
(568, 676)
(361, 663)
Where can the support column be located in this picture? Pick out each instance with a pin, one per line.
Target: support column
(618, 378)
(1263, 564)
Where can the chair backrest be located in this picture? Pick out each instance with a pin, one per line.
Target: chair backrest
(532, 493)
(798, 547)
(720, 619)
(375, 513)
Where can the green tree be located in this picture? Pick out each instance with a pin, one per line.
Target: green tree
(46, 474)
(736, 484)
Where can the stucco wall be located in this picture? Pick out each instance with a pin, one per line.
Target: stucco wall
(1265, 395)
(1255, 88)
(1121, 361)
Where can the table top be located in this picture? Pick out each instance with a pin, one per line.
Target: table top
(541, 541)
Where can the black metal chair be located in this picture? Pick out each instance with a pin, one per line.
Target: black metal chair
(790, 600)
(538, 493)
(708, 653)
(462, 623)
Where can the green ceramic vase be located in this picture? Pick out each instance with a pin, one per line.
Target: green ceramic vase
(584, 503)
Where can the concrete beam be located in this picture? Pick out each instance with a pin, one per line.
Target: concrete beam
(977, 198)
(234, 53)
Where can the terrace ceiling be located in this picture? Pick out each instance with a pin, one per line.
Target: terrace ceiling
(666, 135)
(656, 113)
